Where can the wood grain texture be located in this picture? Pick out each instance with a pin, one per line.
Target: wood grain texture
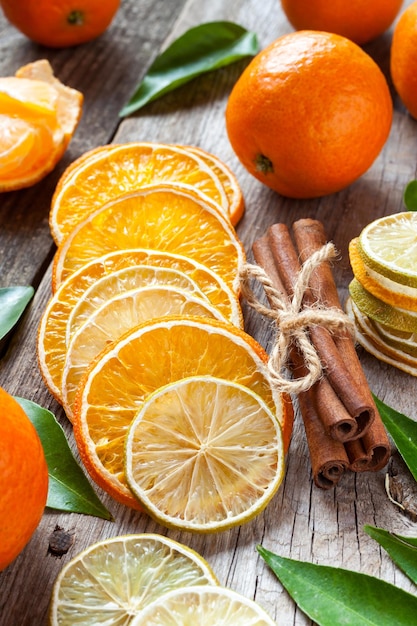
(302, 521)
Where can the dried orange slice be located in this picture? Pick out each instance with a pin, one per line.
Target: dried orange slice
(120, 282)
(236, 206)
(204, 454)
(51, 344)
(57, 329)
(38, 118)
(116, 317)
(120, 169)
(160, 218)
(148, 357)
(235, 201)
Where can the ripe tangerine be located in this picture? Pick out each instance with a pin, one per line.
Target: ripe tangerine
(23, 479)
(404, 58)
(60, 24)
(309, 114)
(359, 20)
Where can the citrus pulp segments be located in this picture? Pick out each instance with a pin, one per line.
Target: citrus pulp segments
(160, 218)
(152, 355)
(389, 245)
(116, 317)
(373, 343)
(204, 454)
(380, 311)
(393, 293)
(70, 101)
(205, 606)
(113, 580)
(39, 117)
(51, 343)
(110, 172)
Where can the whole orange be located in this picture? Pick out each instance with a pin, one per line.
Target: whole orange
(60, 23)
(404, 58)
(23, 479)
(309, 114)
(359, 20)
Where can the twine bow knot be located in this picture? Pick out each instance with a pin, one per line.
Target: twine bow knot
(293, 320)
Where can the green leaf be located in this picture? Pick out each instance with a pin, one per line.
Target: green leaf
(410, 196)
(201, 49)
(403, 430)
(331, 595)
(69, 489)
(402, 550)
(13, 301)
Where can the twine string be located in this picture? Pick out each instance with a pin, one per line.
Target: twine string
(293, 320)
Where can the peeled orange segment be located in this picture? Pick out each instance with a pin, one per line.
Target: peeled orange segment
(389, 245)
(387, 290)
(204, 454)
(51, 344)
(69, 103)
(28, 151)
(113, 580)
(116, 317)
(148, 357)
(208, 606)
(107, 174)
(38, 118)
(34, 100)
(380, 311)
(123, 281)
(373, 343)
(236, 203)
(160, 218)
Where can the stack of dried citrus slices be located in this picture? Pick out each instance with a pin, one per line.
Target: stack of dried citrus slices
(143, 343)
(383, 293)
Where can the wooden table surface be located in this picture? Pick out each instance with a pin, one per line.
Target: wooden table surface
(302, 521)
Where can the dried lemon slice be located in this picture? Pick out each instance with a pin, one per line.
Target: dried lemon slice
(389, 245)
(114, 580)
(204, 454)
(205, 606)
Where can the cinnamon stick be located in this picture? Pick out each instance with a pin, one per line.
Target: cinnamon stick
(375, 448)
(336, 359)
(329, 460)
(343, 427)
(328, 457)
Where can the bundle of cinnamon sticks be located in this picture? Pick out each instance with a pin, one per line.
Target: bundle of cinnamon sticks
(343, 428)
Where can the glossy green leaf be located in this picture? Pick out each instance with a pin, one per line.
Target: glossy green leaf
(402, 550)
(69, 489)
(331, 595)
(201, 49)
(13, 302)
(410, 196)
(403, 430)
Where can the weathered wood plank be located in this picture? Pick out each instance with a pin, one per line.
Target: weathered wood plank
(301, 521)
